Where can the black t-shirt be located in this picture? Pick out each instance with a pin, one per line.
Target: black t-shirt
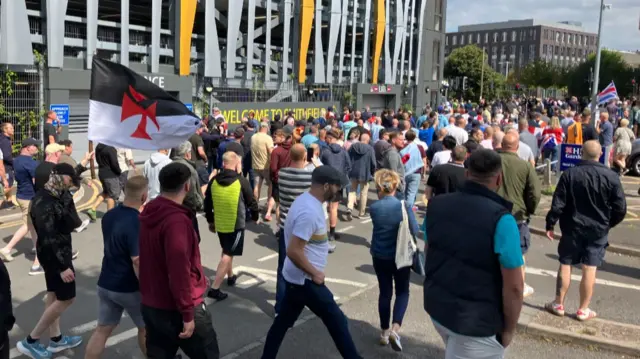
(435, 147)
(43, 171)
(446, 178)
(50, 130)
(196, 141)
(588, 133)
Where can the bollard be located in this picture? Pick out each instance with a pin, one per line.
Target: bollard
(546, 178)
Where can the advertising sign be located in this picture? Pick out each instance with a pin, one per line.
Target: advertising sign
(570, 156)
(62, 111)
(233, 112)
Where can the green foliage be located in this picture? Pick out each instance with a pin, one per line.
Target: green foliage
(407, 107)
(468, 61)
(347, 98)
(612, 68)
(539, 73)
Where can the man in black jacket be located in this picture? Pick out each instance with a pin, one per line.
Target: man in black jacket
(109, 174)
(54, 217)
(588, 201)
(6, 311)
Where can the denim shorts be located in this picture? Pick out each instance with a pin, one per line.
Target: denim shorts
(111, 305)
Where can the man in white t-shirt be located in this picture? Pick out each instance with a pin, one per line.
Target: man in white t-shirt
(307, 242)
(444, 156)
(458, 131)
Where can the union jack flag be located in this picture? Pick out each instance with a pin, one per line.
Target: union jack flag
(608, 94)
(549, 141)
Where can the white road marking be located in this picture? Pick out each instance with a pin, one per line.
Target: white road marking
(271, 275)
(577, 278)
(124, 336)
(366, 221)
(348, 228)
(266, 258)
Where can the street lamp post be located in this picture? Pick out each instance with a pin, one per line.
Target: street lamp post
(596, 75)
(482, 75)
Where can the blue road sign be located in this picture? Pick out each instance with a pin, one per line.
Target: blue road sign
(189, 106)
(570, 155)
(62, 111)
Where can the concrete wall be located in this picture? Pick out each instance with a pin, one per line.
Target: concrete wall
(425, 77)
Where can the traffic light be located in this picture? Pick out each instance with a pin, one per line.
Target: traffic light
(464, 83)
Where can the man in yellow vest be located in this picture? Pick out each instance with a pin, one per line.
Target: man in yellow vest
(227, 202)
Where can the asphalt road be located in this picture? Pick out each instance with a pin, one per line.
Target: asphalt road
(244, 318)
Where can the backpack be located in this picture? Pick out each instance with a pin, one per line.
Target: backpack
(574, 134)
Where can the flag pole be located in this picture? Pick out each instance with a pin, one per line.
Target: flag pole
(91, 162)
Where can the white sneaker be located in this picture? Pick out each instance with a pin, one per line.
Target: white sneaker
(394, 339)
(528, 290)
(6, 255)
(83, 226)
(384, 339)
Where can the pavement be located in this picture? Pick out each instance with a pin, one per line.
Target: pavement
(623, 235)
(244, 318)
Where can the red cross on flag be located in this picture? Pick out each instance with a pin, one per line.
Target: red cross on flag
(128, 111)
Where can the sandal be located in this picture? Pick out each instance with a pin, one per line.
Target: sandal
(267, 218)
(584, 315)
(555, 309)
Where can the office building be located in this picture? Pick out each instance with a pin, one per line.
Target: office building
(515, 43)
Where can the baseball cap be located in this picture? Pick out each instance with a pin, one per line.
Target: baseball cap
(68, 170)
(330, 175)
(30, 142)
(53, 148)
(238, 132)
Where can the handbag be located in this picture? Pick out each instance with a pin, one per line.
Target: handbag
(405, 245)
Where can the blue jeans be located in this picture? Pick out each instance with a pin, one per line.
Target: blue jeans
(387, 274)
(281, 284)
(319, 299)
(411, 189)
(553, 155)
(247, 170)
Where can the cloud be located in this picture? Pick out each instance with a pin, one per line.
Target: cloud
(620, 24)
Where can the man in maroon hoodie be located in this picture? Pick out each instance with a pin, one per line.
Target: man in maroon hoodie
(279, 160)
(172, 282)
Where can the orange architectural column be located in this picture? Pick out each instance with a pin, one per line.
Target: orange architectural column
(187, 19)
(307, 9)
(380, 21)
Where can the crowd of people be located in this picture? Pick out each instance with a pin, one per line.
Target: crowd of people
(478, 157)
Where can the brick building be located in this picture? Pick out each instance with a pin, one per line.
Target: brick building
(515, 43)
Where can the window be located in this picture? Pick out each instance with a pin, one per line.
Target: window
(534, 34)
(486, 37)
(461, 39)
(544, 49)
(446, 41)
(532, 52)
(494, 50)
(454, 40)
(471, 38)
(569, 39)
(504, 36)
(557, 36)
(546, 34)
(437, 24)
(478, 38)
(495, 37)
(580, 40)
(514, 36)
(435, 71)
(503, 51)
(512, 51)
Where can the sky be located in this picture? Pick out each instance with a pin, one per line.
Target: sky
(620, 24)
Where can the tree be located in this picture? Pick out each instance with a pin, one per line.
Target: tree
(467, 61)
(539, 73)
(612, 68)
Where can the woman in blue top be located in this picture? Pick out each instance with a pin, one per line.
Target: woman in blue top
(386, 216)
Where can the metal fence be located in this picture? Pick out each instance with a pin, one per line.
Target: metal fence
(259, 91)
(21, 101)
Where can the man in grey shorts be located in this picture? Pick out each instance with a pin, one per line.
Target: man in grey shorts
(118, 287)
